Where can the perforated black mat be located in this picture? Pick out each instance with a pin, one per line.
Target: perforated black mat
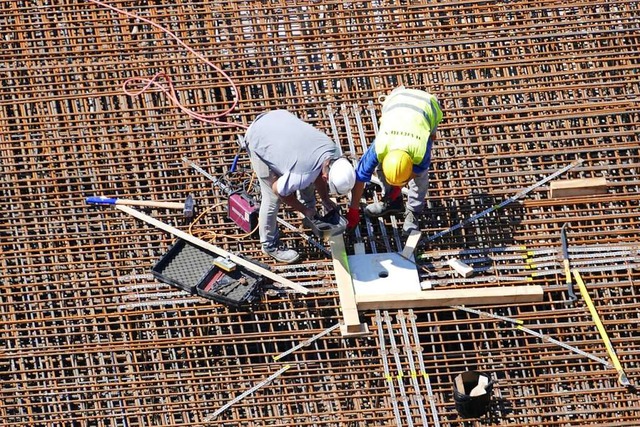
(184, 266)
(191, 268)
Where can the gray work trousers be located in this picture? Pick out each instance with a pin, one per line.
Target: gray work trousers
(417, 186)
(270, 202)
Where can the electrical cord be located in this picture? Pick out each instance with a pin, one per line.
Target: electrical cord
(206, 233)
(169, 88)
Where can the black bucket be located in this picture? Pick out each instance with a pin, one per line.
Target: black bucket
(472, 394)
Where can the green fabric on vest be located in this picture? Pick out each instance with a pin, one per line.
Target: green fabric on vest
(409, 116)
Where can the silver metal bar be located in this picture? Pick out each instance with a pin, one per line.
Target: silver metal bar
(395, 352)
(592, 269)
(383, 228)
(238, 398)
(505, 202)
(307, 342)
(385, 366)
(543, 337)
(148, 304)
(352, 148)
(414, 375)
(532, 252)
(394, 223)
(334, 128)
(287, 267)
(423, 370)
(374, 119)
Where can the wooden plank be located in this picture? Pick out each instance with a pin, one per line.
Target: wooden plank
(345, 284)
(412, 242)
(447, 297)
(460, 267)
(212, 248)
(579, 187)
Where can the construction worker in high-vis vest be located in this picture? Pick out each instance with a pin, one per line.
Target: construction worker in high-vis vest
(401, 153)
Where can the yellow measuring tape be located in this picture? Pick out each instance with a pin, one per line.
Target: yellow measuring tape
(622, 377)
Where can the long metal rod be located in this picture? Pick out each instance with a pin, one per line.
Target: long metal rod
(413, 374)
(385, 367)
(307, 342)
(394, 223)
(533, 252)
(396, 356)
(363, 143)
(543, 337)
(505, 202)
(247, 393)
(345, 116)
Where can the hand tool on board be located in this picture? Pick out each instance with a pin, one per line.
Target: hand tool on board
(622, 376)
(565, 263)
(187, 206)
(212, 248)
(307, 342)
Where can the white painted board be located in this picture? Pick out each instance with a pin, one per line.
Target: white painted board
(383, 273)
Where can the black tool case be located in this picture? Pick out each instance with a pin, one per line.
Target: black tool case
(191, 268)
(235, 288)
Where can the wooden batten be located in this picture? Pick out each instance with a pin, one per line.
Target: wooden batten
(579, 187)
(497, 295)
(351, 320)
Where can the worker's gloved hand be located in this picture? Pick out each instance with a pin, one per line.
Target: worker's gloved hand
(329, 205)
(309, 213)
(394, 193)
(353, 218)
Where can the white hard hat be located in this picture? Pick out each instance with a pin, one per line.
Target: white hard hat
(342, 177)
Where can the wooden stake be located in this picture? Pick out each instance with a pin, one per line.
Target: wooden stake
(346, 293)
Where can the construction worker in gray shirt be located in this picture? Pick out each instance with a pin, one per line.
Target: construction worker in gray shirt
(293, 160)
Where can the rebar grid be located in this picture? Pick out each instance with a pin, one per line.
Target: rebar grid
(90, 338)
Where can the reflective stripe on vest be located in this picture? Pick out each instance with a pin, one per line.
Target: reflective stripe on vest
(427, 105)
(408, 118)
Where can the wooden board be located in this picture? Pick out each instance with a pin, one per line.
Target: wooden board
(212, 248)
(381, 273)
(345, 286)
(579, 187)
(412, 242)
(460, 267)
(447, 297)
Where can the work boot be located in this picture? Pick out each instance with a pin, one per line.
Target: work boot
(411, 222)
(281, 253)
(385, 207)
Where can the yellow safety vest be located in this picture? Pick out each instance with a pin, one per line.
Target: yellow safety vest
(409, 116)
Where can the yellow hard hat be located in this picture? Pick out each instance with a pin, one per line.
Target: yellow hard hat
(397, 167)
